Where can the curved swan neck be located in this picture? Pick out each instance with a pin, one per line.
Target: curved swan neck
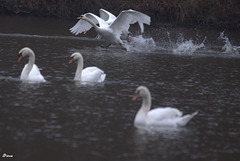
(147, 101)
(78, 73)
(30, 64)
(140, 119)
(91, 22)
(31, 60)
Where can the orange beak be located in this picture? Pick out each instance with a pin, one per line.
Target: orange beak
(85, 32)
(20, 57)
(80, 17)
(70, 61)
(135, 97)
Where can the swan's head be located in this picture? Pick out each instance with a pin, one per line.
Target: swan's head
(141, 91)
(81, 17)
(75, 56)
(24, 52)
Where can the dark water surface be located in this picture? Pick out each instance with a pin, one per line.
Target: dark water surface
(66, 120)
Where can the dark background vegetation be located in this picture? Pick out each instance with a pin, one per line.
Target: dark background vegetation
(216, 13)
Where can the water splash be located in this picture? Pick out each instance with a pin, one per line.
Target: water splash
(187, 46)
(139, 43)
(228, 47)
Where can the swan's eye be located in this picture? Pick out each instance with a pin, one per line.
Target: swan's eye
(138, 92)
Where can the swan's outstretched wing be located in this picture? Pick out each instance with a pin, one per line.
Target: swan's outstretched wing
(127, 17)
(141, 18)
(107, 16)
(122, 23)
(82, 25)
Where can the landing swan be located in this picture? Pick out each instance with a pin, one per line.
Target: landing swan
(30, 71)
(111, 33)
(109, 18)
(161, 117)
(89, 74)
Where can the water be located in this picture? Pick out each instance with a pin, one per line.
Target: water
(64, 120)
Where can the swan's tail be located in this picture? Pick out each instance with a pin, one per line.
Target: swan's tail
(102, 78)
(186, 118)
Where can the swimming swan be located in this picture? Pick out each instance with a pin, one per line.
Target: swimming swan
(161, 117)
(30, 71)
(89, 74)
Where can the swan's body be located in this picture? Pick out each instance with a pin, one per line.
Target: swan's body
(89, 74)
(161, 117)
(30, 71)
(111, 32)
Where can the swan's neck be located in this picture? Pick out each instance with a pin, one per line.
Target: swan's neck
(141, 117)
(91, 22)
(31, 61)
(78, 73)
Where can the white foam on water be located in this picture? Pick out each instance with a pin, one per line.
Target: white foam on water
(140, 44)
(228, 48)
(187, 46)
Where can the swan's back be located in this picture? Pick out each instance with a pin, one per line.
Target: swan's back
(163, 116)
(164, 113)
(168, 117)
(93, 74)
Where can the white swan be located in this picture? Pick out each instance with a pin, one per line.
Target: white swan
(109, 18)
(30, 71)
(111, 33)
(170, 117)
(89, 74)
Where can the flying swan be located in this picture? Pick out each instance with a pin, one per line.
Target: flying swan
(161, 117)
(30, 71)
(89, 74)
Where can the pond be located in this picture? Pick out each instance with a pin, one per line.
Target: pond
(61, 119)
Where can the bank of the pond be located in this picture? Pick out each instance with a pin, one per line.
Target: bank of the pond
(221, 14)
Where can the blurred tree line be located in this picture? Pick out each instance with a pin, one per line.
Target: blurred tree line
(217, 13)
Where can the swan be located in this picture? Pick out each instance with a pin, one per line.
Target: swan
(161, 117)
(30, 71)
(89, 74)
(111, 33)
(109, 18)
